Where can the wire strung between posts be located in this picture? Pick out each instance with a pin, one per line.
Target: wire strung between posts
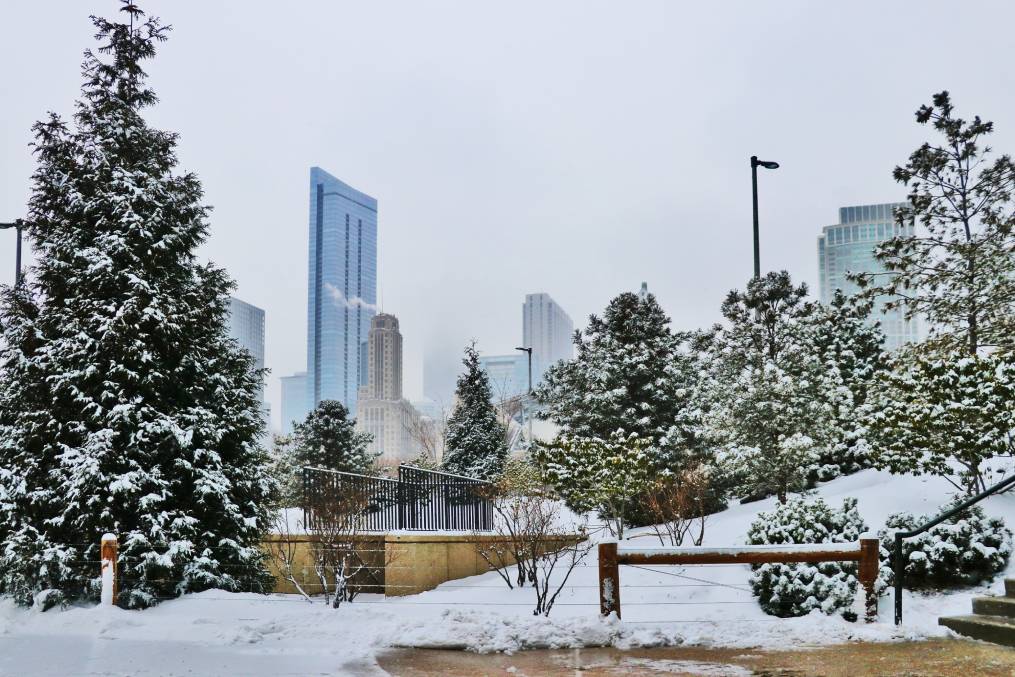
(691, 578)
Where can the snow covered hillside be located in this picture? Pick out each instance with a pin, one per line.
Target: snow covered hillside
(250, 634)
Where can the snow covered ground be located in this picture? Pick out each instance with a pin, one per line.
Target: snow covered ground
(222, 633)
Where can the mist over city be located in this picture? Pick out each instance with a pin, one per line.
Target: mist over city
(458, 338)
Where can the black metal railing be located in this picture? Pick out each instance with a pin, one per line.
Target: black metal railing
(419, 500)
(900, 566)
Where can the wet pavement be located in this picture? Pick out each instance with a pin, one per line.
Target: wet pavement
(945, 658)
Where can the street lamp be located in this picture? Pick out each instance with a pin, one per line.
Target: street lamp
(19, 225)
(755, 163)
(529, 352)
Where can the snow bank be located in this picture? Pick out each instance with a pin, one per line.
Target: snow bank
(706, 605)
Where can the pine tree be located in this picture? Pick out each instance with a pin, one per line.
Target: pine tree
(125, 408)
(476, 439)
(630, 375)
(766, 384)
(942, 415)
(847, 341)
(328, 439)
(959, 273)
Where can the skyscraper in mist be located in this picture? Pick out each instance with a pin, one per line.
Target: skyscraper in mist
(342, 288)
(548, 330)
(848, 247)
(295, 406)
(246, 326)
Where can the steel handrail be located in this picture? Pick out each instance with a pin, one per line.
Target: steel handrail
(900, 535)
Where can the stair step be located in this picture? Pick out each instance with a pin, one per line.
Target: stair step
(1009, 587)
(996, 629)
(994, 606)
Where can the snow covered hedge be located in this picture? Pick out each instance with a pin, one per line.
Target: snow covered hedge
(964, 550)
(797, 589)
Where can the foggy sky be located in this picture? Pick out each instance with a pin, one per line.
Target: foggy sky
(576, 148)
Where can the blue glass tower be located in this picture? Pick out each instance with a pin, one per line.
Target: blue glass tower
(342, 290)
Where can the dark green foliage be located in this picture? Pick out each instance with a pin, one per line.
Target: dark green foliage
(124, 406)
(846, 340)
(328, 439)
(629, 376)
(942, 415)
(966, 549)
(788, 590)
(475, 443)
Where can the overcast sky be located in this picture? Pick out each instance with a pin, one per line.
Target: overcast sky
(576, 148)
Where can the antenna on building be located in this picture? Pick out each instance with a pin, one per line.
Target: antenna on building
(643, 294)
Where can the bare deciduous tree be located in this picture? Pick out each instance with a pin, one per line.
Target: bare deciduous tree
(678, 506)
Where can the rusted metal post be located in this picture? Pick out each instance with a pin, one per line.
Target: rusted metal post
(108, 555)
(868, 575)
(609, 580)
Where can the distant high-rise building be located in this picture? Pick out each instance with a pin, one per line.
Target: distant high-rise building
(548, 330)
(295, 404)
(848, 247)
(392, 422)
(384, 359)
(342, 289)
(246, 326)
(508, 374)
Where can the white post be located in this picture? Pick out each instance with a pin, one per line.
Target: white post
(108, 556)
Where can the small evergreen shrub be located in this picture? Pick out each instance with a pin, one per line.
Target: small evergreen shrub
(965, 550)
(796, 589)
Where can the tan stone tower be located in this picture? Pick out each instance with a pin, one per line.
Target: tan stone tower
(382, 411)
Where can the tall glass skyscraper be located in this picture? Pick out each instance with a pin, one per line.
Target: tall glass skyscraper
(848, 247)
(342, 290)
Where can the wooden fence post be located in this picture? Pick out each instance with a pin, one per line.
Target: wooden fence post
(868, 575)
(108, 556)
(609, 580)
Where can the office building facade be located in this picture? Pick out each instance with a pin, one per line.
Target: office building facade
(508, 374)
(848, 247)
(342, 288)
(295, 404)
(548, 330)
(246, 327)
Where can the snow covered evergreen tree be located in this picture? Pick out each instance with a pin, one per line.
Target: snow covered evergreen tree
(125, 408)
(846, 341)
(607, 476)
(959, 273)
(767, 389)
(328, 438)
(475, 443)
(942, 415)
(629, 376)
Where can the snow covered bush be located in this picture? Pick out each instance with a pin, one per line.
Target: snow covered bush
(964, 550)
(796, 589)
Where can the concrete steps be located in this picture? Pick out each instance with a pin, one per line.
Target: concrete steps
(992, 620)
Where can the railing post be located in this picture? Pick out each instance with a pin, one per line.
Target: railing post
(609, 580)
(900, 571)
(868, 575)
(108, 555)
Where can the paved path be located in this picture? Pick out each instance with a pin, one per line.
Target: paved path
(941, 658)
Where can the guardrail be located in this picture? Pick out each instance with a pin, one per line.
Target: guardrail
(899, 565)
(865, 552)
(419, 500)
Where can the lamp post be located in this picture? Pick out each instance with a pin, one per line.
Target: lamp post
(528, 351)
(755, 163)
(19, 225)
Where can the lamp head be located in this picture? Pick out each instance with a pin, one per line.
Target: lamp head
(755, 162)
